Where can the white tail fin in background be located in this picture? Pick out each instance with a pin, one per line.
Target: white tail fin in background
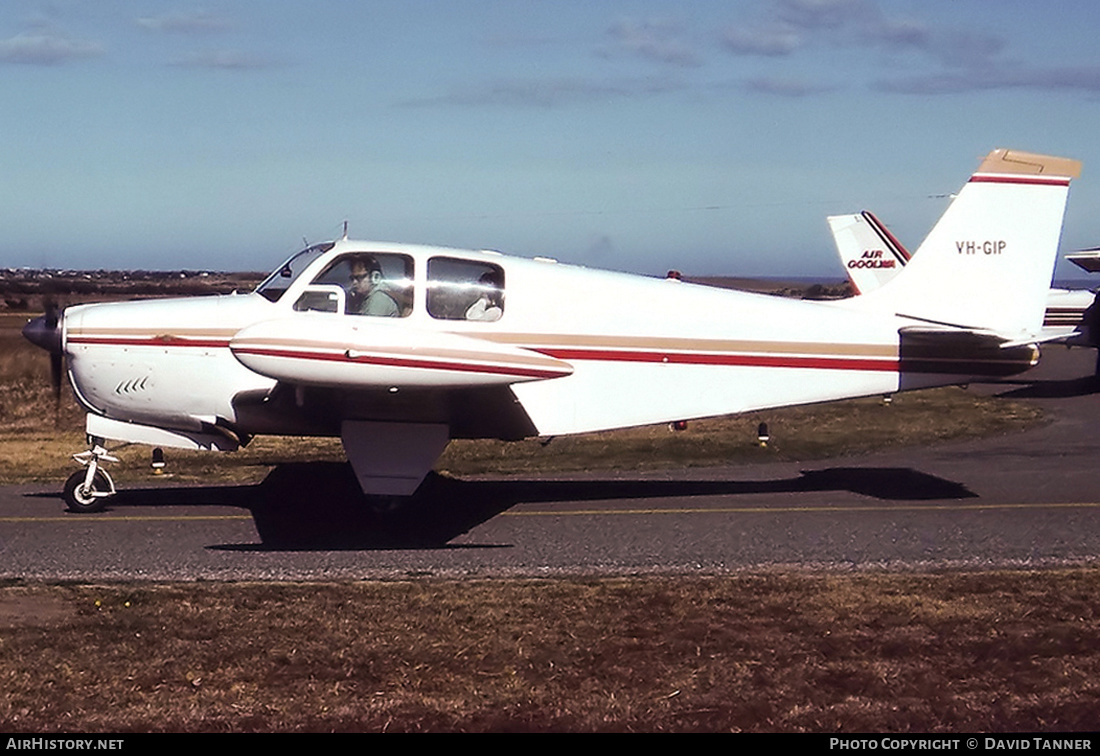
(870, 254)
(988, 263)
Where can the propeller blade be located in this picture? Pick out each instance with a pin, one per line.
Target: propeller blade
(55, 375)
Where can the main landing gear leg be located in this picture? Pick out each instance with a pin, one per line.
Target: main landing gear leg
(87, 490)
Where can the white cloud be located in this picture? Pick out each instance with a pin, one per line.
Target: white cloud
(197, 22)
(822, 14)
(785, 87)
(46, 49)
(790, 25)
(771, 42)
(657, 40)
(224, 59)
(1072, 78)
(944, 58)
(549, 92)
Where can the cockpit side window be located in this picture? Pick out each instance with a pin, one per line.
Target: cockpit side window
(465, 289)
(275, 285)
(377, 283)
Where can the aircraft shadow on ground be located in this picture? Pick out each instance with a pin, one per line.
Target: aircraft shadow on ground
(1054, 389)
(318, 505)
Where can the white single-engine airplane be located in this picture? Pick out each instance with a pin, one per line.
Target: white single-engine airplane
(872, 256)
(397, 348)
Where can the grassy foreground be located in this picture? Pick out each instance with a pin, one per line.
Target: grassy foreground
(988, 652)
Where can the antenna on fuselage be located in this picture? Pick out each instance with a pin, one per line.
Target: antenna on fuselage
(345, 230)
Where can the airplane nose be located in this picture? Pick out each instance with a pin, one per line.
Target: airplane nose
(45, 332)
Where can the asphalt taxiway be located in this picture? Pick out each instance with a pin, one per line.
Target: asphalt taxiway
(1024, 500)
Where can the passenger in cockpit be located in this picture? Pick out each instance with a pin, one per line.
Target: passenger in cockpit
(489, 305)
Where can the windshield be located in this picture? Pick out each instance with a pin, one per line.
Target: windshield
(278, 282)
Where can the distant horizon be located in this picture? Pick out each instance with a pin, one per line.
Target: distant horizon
(1078, 282)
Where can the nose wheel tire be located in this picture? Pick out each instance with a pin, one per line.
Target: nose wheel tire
(83, 499)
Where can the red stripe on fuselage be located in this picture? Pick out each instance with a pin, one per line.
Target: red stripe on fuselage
(741, 360)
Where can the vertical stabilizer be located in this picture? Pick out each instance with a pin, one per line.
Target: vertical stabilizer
(988, 263)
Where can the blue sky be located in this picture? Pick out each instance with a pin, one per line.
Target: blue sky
(713, 137)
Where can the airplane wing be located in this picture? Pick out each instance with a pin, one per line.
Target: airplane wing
(373, 354)
(361, 359)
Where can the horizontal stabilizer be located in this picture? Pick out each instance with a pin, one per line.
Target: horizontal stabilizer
(1087, 260)
(957, 352)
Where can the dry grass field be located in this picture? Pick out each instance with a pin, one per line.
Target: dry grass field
(988, 652)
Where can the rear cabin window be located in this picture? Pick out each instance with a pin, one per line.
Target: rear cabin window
(465, 289)
(377, 284)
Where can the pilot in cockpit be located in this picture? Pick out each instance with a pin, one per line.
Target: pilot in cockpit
(367, 294)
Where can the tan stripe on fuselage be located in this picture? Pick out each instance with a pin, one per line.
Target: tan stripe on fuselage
(658, 343)
(154, 333)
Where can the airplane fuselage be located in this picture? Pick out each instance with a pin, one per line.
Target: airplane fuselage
(577, 349)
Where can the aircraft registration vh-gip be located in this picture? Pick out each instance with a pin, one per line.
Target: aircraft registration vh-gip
(397, 348)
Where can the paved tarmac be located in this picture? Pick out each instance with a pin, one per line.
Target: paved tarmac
(1024, 500)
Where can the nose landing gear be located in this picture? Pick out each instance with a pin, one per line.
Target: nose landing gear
(87, 490)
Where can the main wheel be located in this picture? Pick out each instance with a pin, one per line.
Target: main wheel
(82, 499)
